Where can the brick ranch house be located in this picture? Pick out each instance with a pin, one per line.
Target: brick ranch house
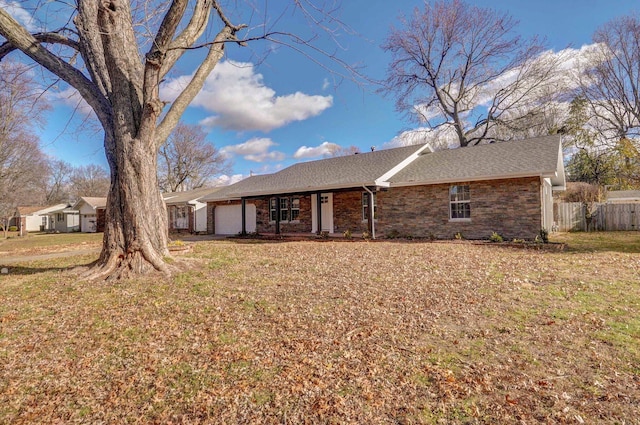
(184, 212)
(409, 191)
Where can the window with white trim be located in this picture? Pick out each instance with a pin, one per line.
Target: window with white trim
(295, 208)
(365, 206)
(273, 209)
(459, 202)
(181, 211)
(289, 208)
(284, 209)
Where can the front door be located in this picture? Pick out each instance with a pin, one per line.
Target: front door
(326, 208)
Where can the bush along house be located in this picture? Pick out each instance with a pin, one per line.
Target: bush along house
(409, 191)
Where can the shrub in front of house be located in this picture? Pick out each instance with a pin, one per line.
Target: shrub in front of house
(496, 237)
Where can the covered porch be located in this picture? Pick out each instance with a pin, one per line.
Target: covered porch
(323, 212)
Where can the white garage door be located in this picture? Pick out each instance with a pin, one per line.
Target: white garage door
(228, 219)
(88, 224)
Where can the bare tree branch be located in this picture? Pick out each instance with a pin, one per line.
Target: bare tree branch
(48, 37)
(23, 40)
(462, 66)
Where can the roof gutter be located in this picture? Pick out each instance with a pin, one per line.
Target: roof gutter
(544, 174)
(299, 190)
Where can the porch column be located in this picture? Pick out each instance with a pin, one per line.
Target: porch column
(244, 218)
(191, 211)
(211, 219)
(319, 212)
(277, 215)
(371, 213)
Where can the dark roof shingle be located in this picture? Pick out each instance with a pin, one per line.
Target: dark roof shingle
(531, 157)
(324, 174)
(187, 195)
(534, 157)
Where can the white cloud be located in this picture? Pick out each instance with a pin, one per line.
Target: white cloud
(240, 100)
(325, 84)
(437, 138)
(568, 63)
(71, 98)
(256, 150)
(19, 14)
(225, 180)
(326, 148)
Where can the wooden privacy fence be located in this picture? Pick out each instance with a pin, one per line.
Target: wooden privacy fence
(570, 216)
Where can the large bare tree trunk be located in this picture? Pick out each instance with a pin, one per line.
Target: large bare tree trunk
(135, 236)
(100, 58)
(123, 90)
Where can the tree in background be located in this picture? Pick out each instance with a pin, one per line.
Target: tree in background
(56, 182)
(610, 80)
(187, 161)
(609, 99)
(589, 195)
(589, 161)
(460, 66)
(627, 160)
(22, 163)
(88, 180)
(100, 55)
(591, 167)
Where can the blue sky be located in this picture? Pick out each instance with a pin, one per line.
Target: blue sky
(267, 115)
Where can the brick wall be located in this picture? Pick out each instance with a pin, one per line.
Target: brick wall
(302, 225)
(347, 212)
(510, 207)
(263, 223)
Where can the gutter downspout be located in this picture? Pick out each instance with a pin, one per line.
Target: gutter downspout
(371, 212)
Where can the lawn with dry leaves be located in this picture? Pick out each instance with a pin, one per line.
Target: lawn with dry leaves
(330, 332)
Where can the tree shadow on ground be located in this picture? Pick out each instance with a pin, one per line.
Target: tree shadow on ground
(32, 269)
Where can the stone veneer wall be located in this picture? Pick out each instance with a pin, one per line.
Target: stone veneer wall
(510, 207)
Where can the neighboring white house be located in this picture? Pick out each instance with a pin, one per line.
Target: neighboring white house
(64, 219)
(185, 212)
(623, 196)
(92, 213)
(34, 219)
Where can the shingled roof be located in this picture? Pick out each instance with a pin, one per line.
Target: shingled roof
(93, 202)
(324, 174)
(410, 165)
(29, 210)
(172, 198)
(541, 156)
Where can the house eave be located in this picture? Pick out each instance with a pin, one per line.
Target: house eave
(296, 190)
(546, 174)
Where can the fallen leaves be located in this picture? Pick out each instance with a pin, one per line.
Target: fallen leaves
(304, 332)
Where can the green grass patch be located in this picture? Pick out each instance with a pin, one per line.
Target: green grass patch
(48, 240)
(628, 242)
